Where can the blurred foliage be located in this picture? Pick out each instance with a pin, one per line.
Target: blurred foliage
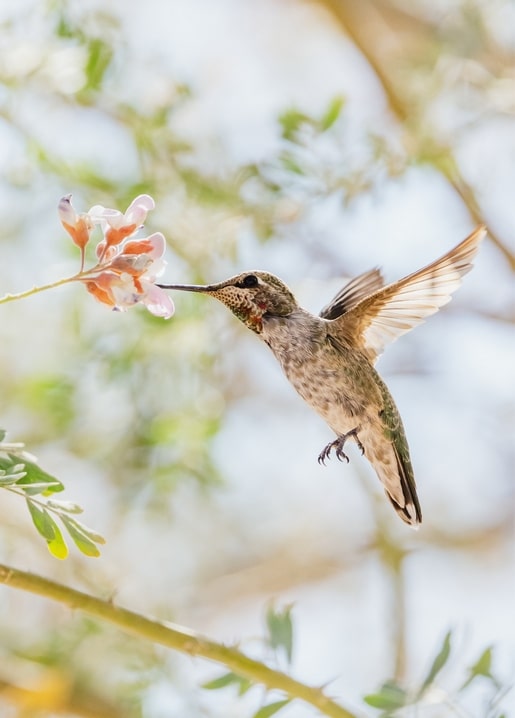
(141, 406)
(392, 699)
(59, 673)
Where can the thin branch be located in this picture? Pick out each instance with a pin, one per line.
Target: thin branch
(175, 637)
(399, 598)
(42, 288)
(382, 34)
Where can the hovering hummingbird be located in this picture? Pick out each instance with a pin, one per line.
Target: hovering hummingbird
(330, 358)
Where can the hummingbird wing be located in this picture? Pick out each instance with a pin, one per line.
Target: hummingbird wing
(352, 293)
(393, 310)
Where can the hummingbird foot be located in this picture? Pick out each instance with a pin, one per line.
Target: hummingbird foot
(338, 445)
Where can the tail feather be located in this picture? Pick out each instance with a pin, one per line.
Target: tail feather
(411, 512)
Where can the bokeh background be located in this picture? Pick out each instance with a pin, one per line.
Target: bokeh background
(314, 140)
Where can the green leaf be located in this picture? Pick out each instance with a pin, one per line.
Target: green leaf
(289, 163)
(280, 629)
(439, 662)
(291, 121)
(42, 520)
(2, 434)
(482, 667)
(100, 54)
(90, 533)
(11, 470)
(8, 479)
(228, 679)
(332, 113)
(69, 507)
(48, 528)
(388, 698)
(10, 476)
(57, 546)
(36, 481)
(83, 537)
(271, 709)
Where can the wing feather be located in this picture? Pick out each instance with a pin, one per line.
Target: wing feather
(352, 293)
(391, 311)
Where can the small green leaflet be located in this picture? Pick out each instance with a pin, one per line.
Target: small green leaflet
(11, 471)
(482, 667)
(70, 507)
(280, 630)
(271, 709)
(83, 537)
(388, 698)
(34, 480)
(332, 113)
(48, 528)
(229, 679)
(291, 121)
(439, 662)
(99, 58)
(11, 475)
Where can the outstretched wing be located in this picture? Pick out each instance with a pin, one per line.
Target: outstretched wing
(393, 310)
(353, 292)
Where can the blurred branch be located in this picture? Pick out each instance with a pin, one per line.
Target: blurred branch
(383, 34)
(392, 554)
(177, 638)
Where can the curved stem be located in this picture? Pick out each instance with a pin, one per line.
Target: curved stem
(35, 290)
(80, 276)
(175, 637)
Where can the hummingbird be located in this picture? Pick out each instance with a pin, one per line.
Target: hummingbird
(329, 359)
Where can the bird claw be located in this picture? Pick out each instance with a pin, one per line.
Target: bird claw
(338, 445)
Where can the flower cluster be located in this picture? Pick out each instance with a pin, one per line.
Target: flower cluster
(126, 269)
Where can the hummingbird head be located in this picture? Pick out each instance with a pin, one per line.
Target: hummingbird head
(249, 296)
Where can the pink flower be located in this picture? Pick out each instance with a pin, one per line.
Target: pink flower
(127, 269)
(117, 226)
(129, 277)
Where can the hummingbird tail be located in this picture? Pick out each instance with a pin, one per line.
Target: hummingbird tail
(410, 512)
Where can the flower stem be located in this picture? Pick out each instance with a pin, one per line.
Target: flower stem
(35, 290)
(80, 276)
(175, 637)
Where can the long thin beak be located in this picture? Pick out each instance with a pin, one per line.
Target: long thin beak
(187, 287)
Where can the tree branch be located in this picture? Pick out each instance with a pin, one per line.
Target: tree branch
(384, 34)
(172, 636)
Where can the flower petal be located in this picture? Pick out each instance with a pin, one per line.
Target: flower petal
(66, 211)
(78, 226)
(136, 212)
(102, 294)
(137, 246)
(125, 293)
(134, 264)
(106, 217)
(158, 243)
(157, 300)
(155, 270)
(115, 235)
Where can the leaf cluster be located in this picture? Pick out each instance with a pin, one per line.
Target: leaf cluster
(279, 638)
(20, 475)
(392, 698)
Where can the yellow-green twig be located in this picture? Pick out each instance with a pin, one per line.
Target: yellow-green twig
(176, 637)
(35, 290)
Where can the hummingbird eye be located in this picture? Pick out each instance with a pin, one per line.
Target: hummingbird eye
(249, 281)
